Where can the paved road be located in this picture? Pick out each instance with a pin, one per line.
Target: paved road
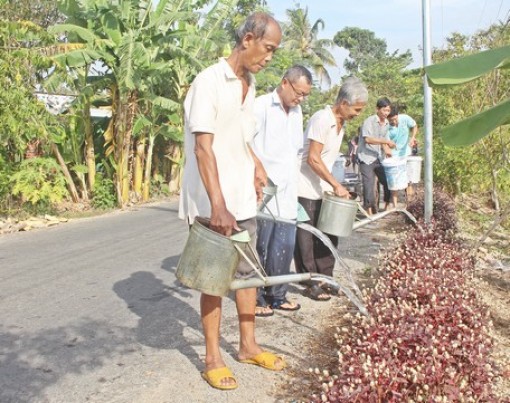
(91, 312)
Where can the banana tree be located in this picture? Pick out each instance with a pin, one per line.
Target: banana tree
(462, 70)
(127, 37)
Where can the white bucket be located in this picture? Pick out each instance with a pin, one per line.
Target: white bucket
(396, 173)
(338, 170)
(414, 168)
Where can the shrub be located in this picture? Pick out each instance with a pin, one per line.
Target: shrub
(39, 181)
(104, 194)
(5, 186)
(427, 337)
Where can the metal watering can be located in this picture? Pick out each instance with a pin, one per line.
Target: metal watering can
(209, 261)
(337, 215)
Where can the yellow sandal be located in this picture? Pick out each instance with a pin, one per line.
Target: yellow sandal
(266, 360)
(214, 377)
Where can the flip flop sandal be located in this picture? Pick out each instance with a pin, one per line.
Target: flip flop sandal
(214, 377)
(264, 314)
(317, 293)
(279, 305)
(266, 360)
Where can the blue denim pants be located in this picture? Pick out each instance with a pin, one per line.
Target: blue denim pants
(275, 247)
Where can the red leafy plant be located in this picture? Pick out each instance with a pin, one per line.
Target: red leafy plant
(443, 209)
(427, 337)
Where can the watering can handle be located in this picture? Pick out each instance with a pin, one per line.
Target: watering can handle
(364, 212)
(259, 270)
(270, 196)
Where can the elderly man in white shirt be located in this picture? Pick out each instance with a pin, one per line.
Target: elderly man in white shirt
(278, 140)
(219, 175)
(323, 138)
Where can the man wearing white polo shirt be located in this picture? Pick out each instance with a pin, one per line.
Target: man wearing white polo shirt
(277, 143)
(221, 178)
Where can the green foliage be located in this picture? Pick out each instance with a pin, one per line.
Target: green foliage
(22, 117)
(5, 185)
(363, 46)
(483, 167)
(39, 180)
(104, 194)
(159, 187)
(41, 12)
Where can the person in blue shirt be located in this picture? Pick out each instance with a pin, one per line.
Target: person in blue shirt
(402, 131)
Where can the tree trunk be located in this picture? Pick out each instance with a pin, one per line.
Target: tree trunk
(494, 190)
(84, 193)
(90, 157)
(174, 185)
(124, 118)
(148, 167)
(69, 179)
(138, 166)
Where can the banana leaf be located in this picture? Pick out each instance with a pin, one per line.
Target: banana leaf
(468, 68)
(472, 129)
(463, 70)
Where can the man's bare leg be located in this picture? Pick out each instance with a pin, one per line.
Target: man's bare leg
(394, 198)
(245, 302)
(410, 192)
(210, 311)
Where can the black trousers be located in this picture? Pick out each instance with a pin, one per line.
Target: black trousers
(310, 253)
(368, 174)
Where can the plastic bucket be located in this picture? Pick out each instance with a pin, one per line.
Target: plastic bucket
(337, 215)
(395, 170)
(209, 260)
(414, 168)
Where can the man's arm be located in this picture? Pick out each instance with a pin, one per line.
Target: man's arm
(260, 179)
(380, 141)
(414, 132)
(222, 220)
(317, 165)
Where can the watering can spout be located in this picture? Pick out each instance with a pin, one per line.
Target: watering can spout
(375, 217)
(256, 282)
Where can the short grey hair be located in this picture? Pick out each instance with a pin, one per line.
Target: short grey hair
(296, 72)
(353, 91)
(256, 23)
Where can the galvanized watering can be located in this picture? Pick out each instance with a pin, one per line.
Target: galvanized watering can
(209, 261)
(338, 215)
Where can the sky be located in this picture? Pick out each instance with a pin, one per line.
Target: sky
(399, 22)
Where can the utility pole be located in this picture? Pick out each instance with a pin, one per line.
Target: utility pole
(427, 113)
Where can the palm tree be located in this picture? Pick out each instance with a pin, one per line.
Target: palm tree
(301, 36)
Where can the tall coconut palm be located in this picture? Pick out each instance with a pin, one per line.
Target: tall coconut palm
(302, 36)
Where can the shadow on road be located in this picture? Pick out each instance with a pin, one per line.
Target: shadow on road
(172, 209)
(29, 363)
(166, 321)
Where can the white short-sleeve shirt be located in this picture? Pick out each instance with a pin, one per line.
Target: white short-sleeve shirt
(277, 142)
(214, 105)
(322, 128)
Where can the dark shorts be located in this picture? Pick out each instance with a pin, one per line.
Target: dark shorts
(244, 269)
